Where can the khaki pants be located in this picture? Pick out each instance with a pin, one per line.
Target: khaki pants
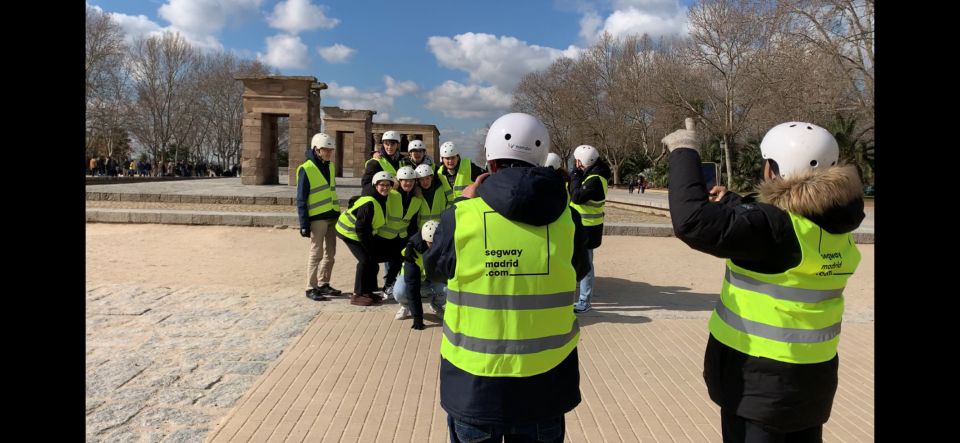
(323, 246)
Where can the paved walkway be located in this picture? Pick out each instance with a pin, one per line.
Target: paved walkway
(201, 333)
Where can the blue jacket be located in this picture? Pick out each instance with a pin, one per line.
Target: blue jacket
(303, 190)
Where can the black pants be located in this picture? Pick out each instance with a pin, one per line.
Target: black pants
(383, 250)
(548, 431)
(740, 430)
(365, 280)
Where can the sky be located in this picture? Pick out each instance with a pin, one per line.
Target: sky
(450, 63)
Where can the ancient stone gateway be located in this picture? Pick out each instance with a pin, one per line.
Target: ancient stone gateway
(357, 136)
(265, 99)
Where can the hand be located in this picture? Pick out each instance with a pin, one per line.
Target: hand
(682, 138)
(418, 324)
(305, 232)
(376, 155)
(471, 190)
(717, 193)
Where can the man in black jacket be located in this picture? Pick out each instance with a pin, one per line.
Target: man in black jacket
(771, 361)
(588, 195)
(317, 210)
(506, 293)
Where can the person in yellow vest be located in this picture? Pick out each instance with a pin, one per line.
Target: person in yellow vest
(588, 195)
(455, 173)
(511, 251)
(434, 197)
(417, 155)
(318, 209)
(403, 207)
(771, 359)
(413, 285)
(359, 227)
(386, 159)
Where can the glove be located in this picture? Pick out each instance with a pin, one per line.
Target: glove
(418, 324)
(305, 232)
(682, 138)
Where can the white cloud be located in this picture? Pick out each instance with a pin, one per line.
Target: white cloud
(285, 51)
(136, 26)
(396, 89)
(199, 20)
(467, 101)
(501, 61)
(381, 117)
(405, 119)
(295, 16)
(336, 53)
(349, 97)
(654, 17)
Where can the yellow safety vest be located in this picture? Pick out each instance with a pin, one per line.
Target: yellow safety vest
(793, 316)
(432, 211)
(591, 211)
(347, 223)
(460, 181)
(419, 260)
(384, 164)
(397, 220)
(323, 195)
(510, 303)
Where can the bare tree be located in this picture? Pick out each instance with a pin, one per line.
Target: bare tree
(161, 68)
(106, 85)
(548, 95)
(728, 41)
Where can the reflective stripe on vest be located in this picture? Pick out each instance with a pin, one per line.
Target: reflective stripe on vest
(591, 211)
(460, 181)
(396, 220)
(793, 316)
(322, 196)
(510, 304)
(347, 223)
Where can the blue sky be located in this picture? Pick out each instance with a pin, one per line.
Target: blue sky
(449, 63)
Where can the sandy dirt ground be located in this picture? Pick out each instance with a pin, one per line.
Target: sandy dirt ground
(650, 276)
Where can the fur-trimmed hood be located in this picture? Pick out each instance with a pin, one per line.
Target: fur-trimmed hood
(833, 199)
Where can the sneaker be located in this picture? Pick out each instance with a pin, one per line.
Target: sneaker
(312, 294)
(361, 300)
(403, 313)
(437, 309)
(581, 308)
(326, 289)
(388, 292)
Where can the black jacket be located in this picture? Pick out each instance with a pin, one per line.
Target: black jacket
(405, 198)
(757, 234)
(303, 191)
(581, 193)
(534, 196)
(373, 166)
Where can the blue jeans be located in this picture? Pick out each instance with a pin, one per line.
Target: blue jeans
(585, 286)
(435, 293)
(548, 431)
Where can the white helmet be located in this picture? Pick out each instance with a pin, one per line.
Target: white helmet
(518, 136)
(406, 173)
(448, 149)
(390, 135)
(416, 144)
(381, 176)
(424, 170)
(799, 147)
(587, 155)
(428, 229)
(322, 141)
(553, 161)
